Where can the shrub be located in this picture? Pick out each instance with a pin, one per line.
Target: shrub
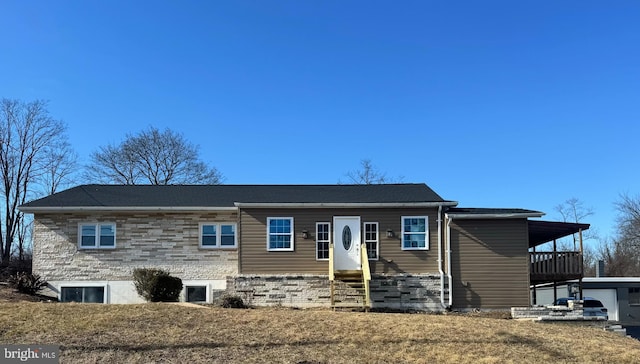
(27, 283)
(230, 301)
(157, 285)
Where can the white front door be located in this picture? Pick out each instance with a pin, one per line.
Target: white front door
(346, 243)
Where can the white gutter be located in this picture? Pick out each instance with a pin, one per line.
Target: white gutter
(520, 215)
(440, 270)
(450, 277)
(124, 208)
(275, 205)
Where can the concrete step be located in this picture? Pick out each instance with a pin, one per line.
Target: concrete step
(618, 329)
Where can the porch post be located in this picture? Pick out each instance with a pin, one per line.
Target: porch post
(581, 263)
(555, 270)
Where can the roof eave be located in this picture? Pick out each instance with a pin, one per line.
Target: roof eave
(520, 215)
(27, 209)
(319, 205)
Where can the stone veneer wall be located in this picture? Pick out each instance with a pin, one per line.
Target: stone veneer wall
(156, 240)
(414, 292)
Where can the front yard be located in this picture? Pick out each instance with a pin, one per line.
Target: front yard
(171, 333)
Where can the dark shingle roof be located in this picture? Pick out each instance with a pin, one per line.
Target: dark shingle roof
(154, 196)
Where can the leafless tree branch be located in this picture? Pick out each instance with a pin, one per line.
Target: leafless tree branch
(27, 134)
(152, 156)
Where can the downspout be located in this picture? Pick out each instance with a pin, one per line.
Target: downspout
(449, 219)
(440, 262)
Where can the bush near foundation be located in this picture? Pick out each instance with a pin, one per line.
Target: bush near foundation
(157, 285)
(231, 301)
(27, 283)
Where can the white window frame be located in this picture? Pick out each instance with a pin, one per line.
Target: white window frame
(318, 241)
(376, 241)
(105, 296)
(426, 233)
(188, 284)
(291, 234)
(218, 226)
(96, 242)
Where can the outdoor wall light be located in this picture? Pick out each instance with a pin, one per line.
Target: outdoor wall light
(305, 234)
(390, 233)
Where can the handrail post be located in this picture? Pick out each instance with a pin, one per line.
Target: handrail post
(366, 275)
(331, 272)
(331, 276)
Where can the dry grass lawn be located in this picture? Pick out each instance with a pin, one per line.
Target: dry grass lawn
(170, 333)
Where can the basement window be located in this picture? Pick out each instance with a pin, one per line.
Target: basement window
(82, 294)
(634, 296)
(196, 293)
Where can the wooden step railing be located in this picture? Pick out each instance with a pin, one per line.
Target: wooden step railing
(366, 275)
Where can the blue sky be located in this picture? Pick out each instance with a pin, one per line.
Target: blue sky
(491, 103)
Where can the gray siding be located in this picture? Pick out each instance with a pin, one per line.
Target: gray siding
(255, 259)
(490, 263)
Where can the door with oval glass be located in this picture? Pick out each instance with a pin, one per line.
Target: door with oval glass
(346, 243)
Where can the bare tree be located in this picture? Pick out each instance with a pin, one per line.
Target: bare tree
(622, 254)
(153, 157)
(574, 210)
(59, 166)
(629, 219)
(368, 174)
(27, 132)
(113, 164)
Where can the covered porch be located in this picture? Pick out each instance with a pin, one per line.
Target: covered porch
(551, 265)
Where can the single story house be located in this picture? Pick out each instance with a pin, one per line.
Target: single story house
(399, 246)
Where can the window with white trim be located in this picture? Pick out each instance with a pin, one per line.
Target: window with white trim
(196, 293)
(415, 233)
(634, 296)
(218, 235)
(82, 294)
(323, 234)
(280, 233)
(371, 239)
(96, 235)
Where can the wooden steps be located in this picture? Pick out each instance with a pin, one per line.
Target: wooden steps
(348, 290)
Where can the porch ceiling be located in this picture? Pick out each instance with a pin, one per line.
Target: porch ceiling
(541, 232)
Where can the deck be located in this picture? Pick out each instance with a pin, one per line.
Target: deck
(555, 266)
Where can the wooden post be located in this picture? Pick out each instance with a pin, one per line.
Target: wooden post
(581, 263)
(555, 258)
(555, 270)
